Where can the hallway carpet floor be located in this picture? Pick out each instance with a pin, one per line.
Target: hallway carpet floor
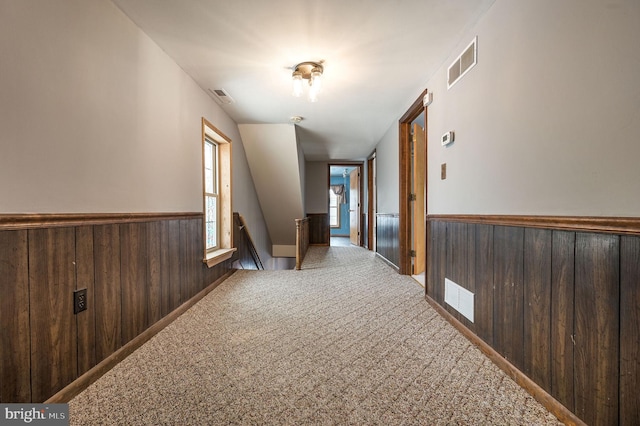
(344, 341)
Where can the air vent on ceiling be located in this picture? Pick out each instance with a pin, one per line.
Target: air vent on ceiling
(463, 63)
(221, 96)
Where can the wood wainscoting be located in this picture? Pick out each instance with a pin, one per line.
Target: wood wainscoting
(319, 229)
(559, 298)
(136, 269)
(388, 238)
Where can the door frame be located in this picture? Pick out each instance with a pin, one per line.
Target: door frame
(372, 206)
(405, 227)
(355, 207)
(359, 166)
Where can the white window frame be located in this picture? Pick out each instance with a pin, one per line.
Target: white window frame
(337, 207)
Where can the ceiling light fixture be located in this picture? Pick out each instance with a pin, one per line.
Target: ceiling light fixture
(311, 71)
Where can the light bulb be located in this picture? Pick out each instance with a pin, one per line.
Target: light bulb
(316, 79)
(297, 84)
(313, 94)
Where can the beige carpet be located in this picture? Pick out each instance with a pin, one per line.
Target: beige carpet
(345, 341)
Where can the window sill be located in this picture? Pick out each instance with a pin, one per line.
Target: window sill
(218, 256)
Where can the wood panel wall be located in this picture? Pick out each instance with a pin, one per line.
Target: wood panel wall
(629, 330)
(15, 385)
(319, 232)
(562, 306)
(388, 237)
(135, 273)
(302, 241)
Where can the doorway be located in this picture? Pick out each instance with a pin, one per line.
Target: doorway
(413, 191)
(372, 207)
(418, 200)
(345, 204)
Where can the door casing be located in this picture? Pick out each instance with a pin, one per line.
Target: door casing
(405, 226)
(354, 206)
(359, 166)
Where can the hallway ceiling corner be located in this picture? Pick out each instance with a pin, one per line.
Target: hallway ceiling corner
(377, 57)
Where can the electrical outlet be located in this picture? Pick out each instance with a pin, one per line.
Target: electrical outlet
(79, 300)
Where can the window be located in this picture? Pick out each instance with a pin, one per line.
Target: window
(216, 179)
(211, 211)
(334, 210)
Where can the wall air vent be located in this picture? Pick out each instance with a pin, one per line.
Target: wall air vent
(463, 63)
(459, 298)
(221, 96)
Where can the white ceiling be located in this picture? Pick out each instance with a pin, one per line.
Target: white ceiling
(378, 56)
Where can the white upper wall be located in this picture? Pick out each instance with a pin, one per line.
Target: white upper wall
(388, 171)
(272, 153)
(316, 187)
(301, 167)
(548, 121)
(96, 118)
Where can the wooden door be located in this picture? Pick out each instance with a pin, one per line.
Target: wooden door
(371, 203)
(418, 213)
(354, 206)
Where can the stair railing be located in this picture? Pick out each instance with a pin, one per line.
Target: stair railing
(245, 240)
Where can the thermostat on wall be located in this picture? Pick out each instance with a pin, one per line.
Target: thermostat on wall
(447, 138)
